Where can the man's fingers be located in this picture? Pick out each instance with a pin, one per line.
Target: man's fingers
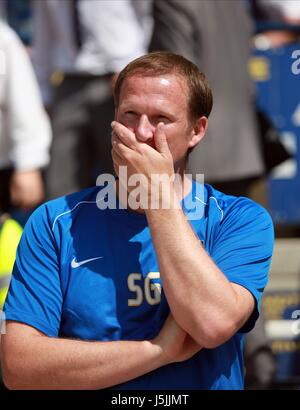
(118, 146)
(161, 140)
(117, 161)
(116, 157)
(126, 136)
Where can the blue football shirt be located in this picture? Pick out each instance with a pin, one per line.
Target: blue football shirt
(92, 274)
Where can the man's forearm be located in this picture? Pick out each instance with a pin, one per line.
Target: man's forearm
(48, 363)
(201, 298)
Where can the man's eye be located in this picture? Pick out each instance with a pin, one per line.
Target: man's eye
(130, 113)
(162, 118)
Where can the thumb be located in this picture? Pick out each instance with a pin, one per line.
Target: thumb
(160, 139)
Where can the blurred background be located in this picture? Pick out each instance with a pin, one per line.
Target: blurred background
(58, 63)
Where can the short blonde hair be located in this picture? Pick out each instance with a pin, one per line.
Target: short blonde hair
(162, 62)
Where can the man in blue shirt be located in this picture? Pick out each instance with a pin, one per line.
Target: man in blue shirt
(153, 297)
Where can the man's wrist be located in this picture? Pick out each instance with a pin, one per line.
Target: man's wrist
(159, 357)
(162, 196)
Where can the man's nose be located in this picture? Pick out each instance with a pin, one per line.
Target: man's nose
(145, 130)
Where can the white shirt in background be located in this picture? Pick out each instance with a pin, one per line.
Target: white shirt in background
(285, 9)
(112, 32)
(25, 132)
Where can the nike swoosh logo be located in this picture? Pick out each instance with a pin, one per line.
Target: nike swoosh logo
(75, 264)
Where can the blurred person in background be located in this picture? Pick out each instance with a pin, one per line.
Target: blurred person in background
(216, 35)
(25, 132)
(278, 20)
(25, 136)
(79, 46)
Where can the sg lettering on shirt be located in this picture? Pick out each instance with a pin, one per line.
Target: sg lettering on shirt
(144, 288)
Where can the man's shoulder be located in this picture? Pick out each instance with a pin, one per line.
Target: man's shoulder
(232, 207)
(55, 209)
(239, 221)
(70, 200)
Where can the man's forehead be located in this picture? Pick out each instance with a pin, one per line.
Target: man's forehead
(163, 82)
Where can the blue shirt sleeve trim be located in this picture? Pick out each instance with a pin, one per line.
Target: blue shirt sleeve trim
(27, 319)
(250, 323)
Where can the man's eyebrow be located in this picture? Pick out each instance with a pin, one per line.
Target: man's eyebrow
(167, 114)
(127, 106)
(163, 114)
(156, 112)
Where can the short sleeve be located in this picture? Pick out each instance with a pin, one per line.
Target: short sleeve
(35, 297)
(243, 249)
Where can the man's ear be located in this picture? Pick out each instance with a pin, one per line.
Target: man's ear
(198, 131)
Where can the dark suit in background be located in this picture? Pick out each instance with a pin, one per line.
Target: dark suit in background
(216, 35)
